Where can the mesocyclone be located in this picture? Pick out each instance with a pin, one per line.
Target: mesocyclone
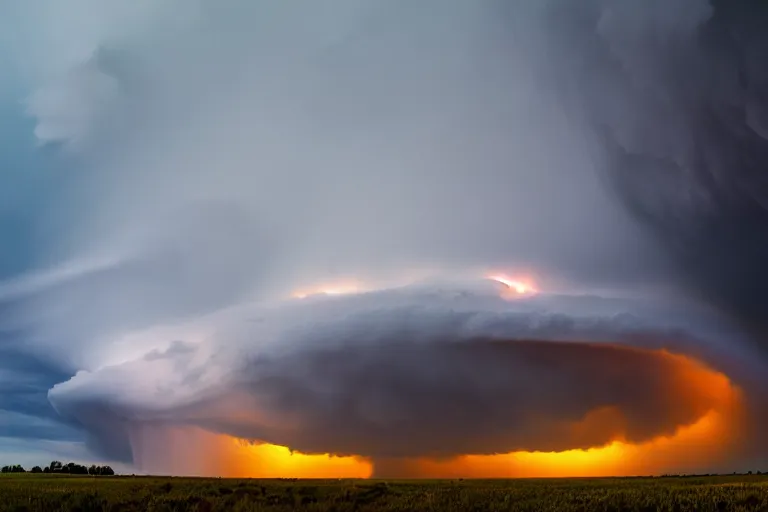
(422, 380)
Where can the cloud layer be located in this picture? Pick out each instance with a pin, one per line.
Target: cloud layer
(424, 371)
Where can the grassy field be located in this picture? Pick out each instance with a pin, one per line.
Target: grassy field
(63, 493)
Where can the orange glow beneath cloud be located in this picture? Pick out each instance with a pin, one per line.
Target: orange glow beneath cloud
(247, 460)
(192, 451)
(694, 447)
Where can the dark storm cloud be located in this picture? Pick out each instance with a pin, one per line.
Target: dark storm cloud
(470, 397)
(408, 373)
(676, 95)
(25, 411)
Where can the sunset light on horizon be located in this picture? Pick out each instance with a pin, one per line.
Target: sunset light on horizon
(705, 441)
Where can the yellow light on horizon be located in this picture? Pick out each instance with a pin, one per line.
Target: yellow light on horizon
(696, 445)
(249, 460)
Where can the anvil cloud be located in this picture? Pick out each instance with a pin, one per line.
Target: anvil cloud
(174, 170)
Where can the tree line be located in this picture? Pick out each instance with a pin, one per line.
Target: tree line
(57, 467)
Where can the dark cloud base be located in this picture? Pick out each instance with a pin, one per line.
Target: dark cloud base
(477, 396)
(400, 398)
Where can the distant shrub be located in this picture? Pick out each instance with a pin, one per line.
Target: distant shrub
(13, 469)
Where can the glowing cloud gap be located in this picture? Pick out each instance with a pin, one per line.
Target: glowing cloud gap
(517, 287)
(338, 288)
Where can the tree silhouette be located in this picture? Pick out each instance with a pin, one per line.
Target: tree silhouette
(70, 468)
(13, 469)
(106, 471)
(74, 469)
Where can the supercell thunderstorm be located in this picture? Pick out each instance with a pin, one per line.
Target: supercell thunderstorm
(280, 236)
(429, 371)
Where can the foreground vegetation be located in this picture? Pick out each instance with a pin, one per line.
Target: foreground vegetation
(49, 492)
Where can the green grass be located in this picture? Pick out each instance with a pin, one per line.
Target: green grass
(64, 493)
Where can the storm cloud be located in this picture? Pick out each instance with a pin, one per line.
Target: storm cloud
(412, 372)
(675, 96)
(189, 165)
